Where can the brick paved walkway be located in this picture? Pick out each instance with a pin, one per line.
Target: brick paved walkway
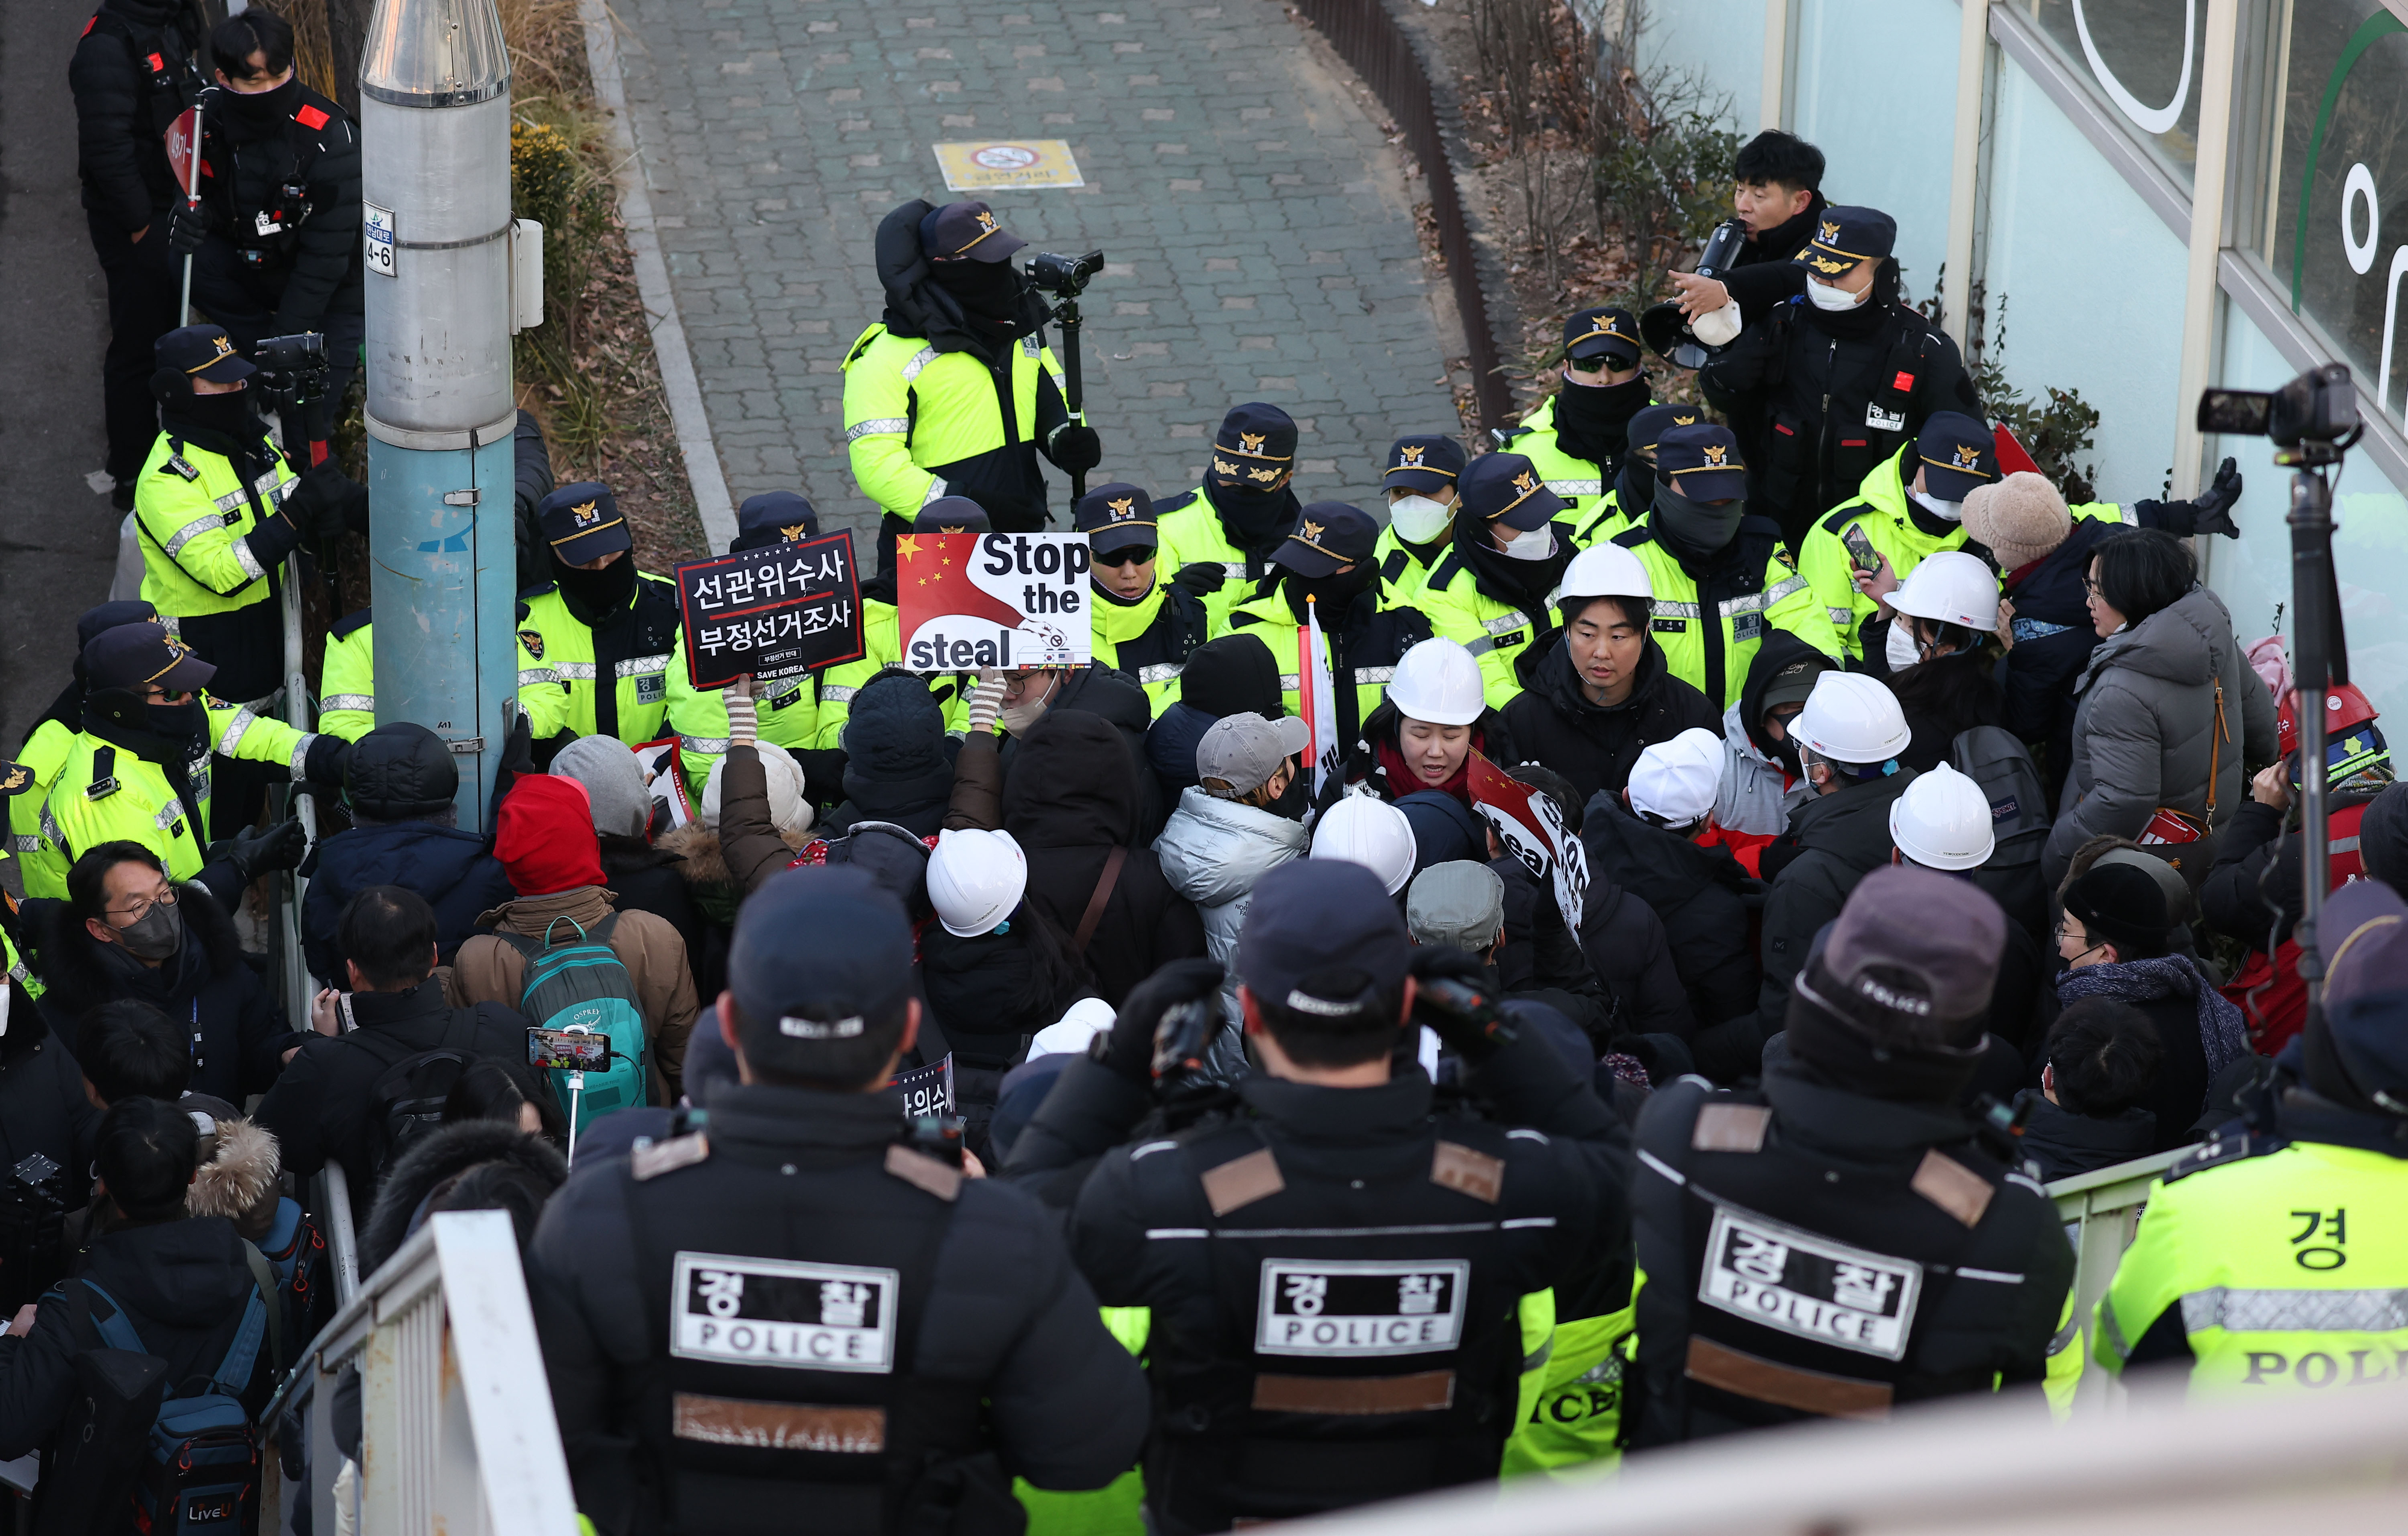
(1260, 231)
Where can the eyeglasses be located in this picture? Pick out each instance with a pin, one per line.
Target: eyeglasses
(142, 909)
(1127, 554)
(2092, 587)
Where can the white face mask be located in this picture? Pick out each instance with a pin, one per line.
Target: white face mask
(1822, 296)
(1418, 519)
(1953, 511)
(1901, 652)
(1538, 543)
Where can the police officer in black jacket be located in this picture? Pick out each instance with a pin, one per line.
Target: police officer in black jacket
(275, 240)
(1832, 381)
(1333, 1262)
(132, 74)
(803, 1307)
(1841, 1241)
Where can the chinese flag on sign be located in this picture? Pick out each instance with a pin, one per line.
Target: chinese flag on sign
(932, 576)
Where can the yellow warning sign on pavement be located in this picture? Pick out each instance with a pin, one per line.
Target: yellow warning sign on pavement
(1020, 163)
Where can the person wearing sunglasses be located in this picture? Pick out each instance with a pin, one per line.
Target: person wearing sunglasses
(1145, 626)
(1577, 438)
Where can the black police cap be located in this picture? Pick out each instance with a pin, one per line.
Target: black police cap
(952, 514)
(1328, 534)
(1957, 455)
(1115, 516)
(967, 231)
(1702, 462)
(1505, 488)
(1845, 237)
(1255, 448)
(133, 656)
(1603, 330)
(774, 517)
(203, 352)
(1424, 461)
(582, 523)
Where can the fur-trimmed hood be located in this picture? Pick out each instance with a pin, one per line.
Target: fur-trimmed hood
(239, 1182)
(448, 1153)
(696, 851)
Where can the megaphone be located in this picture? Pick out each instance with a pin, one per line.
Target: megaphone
(1691, 344)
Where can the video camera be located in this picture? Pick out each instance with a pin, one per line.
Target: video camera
(1064, 277)
(292, 368)
(2317, 410)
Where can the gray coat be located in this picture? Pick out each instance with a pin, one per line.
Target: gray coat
(2144, 731)
(1214, 852)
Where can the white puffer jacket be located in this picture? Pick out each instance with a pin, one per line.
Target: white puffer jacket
(1214, 853)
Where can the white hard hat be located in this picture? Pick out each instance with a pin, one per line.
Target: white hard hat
(789, 811)
(1675, 781)
(975, 880)
(1952, 588)
(1943, 820)
(1438, 681)
(1605, 570)
(1365, 830)
(1851, 718)
(1068, 1035)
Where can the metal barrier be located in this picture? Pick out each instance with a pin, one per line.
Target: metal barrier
(1419, 95)
(2101, 1210)
(457, 1426)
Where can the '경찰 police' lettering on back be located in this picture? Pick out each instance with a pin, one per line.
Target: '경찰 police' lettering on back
(771, 611)
(1354, 1306)
(803, 1316)
(1807, 1284)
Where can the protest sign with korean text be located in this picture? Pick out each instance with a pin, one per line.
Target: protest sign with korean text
(1008, 600)
(767, 612)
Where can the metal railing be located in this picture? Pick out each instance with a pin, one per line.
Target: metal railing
(457, 1432)
(2102, 1210)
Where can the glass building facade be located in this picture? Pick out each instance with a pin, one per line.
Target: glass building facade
(2103, 268)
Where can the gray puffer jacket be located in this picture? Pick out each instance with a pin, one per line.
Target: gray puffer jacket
(1214, 853)
(2145, 732)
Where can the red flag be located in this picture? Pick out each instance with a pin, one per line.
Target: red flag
(1533, 831)
(2012, 460)
(182, 134)
(932, 576)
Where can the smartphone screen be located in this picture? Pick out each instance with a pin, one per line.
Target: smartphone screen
(568, 1050)
(1859, 546)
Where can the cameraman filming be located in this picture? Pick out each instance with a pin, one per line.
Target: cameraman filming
(922, 387)
(275, 240)
(1369, 1246)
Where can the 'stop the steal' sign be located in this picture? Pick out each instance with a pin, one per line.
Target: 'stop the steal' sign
(764, 612)
(966, 600)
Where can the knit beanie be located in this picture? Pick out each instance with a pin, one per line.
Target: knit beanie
(2020, 519)
(544, 836)
(789, 811)
(2383, 836)
(895, 731)
(613, 780)
(1235, 674)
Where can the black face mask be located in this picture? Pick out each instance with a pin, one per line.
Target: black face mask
(185, 722)
(1634, 487)
(264, 108)
(1593, 421)
(1258, 522)
(228, 414)
(593, 595)
(1331, 594)
(1693, 528)
(988, 290)
(1296, 798)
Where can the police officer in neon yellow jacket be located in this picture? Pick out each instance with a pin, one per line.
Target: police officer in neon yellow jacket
(1218, 538)
(1142, 625)
(922, 387)
(139, 772)
(347, 683)
(786, 708)
(604, 627)
(1326, 565)
(1420, 482)
(1578, 435)
(1494, 594)
(2274, 1257)
(1911, 507)
(881, 636)
(1633, 489)
(211, 508)
(1720, 576)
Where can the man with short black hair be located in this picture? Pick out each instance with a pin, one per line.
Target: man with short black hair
(326, 1105)
(2097, 1066)
(1778, 190)
(128, 1049)
(817, 1307)
(1334, 1271)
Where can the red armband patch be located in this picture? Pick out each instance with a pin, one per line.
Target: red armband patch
(158, 65)
(1903, 383)
(1783, 430)
(89, 25)
(313, 120)
(1852, 442)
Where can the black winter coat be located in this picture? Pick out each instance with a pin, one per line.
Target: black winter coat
(1940, 697)
(1833, 841)
(2054, 640)
(1625, 945)
(2253, 889)
(208, 985)
(42, 1104)
(452, 1150)
(456, 872)
(1099, 690)
(2064, 1143)
(1704, 897)
(123, 107)
(320, 1109)
(1539, 955)
(318, 146)
(183, 1284)
(1594, 747)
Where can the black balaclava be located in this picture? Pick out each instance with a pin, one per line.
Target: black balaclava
(1695, 530)
(594, 595)
(1634, 487)
(1258, 522)
(257, 112)
(223, 423)
(1525, 583)
(1332, 595)
(1593, 421)
(989, 294)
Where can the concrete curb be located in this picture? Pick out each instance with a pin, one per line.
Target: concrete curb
(678, 378)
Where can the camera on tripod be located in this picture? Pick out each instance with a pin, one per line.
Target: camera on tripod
(1064, 277)
(2317, 412)
(292, 368)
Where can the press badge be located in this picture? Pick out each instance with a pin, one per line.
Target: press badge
(1334, 1308)
(1882, 421)
(1807, 1284)
(804, 1316)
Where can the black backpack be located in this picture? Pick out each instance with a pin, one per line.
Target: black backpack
(1994, 758)
(406, 1103)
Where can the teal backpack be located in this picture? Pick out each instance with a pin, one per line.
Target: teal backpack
(584, 986)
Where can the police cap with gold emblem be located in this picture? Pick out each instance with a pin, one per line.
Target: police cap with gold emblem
(582, 523)
(774, 517)
(1648, 428)
(1114, 517)
(1603, 332)
(1255, 449)
(1430, 462)
(202, 351)
(1702, 462)
(967, 231)
(1845, 237)
(1956, 453)
(134, 655)
(1505, 488)
(952, 514)
(1328, 534)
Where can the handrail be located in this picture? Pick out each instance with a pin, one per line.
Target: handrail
(2103, 1210)
(342, 1231)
